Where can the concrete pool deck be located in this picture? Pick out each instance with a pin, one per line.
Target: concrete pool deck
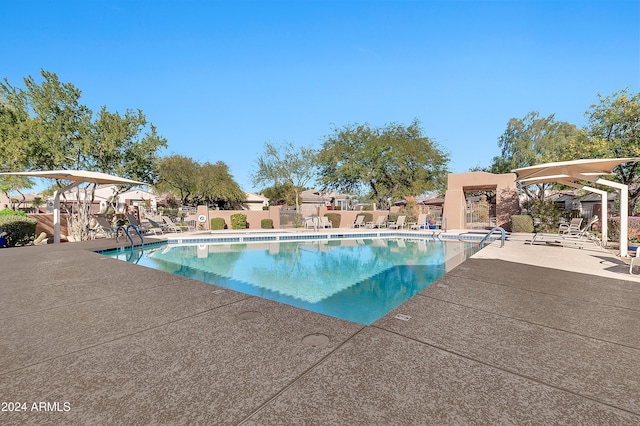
(521, 334)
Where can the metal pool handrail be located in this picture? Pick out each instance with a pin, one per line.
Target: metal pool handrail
(126, 232)
(502, 237)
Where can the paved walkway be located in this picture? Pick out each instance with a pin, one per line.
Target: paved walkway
(516, 335)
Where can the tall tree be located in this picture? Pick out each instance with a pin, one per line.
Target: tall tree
(390, 162)
(286, 164)
(278, 193)
(45, 127)
(12, 183)
(196, 183)
(534, 140)
(613, 130)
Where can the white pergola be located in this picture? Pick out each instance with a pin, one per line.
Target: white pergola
(78, 177)
(571, 173)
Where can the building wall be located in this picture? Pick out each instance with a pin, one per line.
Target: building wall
(458, 183)
(254, 217)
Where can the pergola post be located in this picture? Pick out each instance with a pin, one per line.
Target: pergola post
(624, 213)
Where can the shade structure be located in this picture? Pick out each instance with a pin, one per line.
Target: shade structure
(78, 177)
(572, 172)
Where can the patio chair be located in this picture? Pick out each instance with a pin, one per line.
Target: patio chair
(633, 259)
(398, 224)
(133, 220)
(379, 223)
(421, 223)
(105, 227)
(312, 222)
(326, 223)
(162, 226)
(172, 227)
(581, 237)
(565, 229)
(573, 227)
(359, 222)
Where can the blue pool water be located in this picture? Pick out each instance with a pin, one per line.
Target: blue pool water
(356, 280)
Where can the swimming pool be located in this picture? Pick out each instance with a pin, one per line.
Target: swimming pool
(359, 280)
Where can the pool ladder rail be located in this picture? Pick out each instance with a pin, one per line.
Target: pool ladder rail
(503, 236)
(126, 232)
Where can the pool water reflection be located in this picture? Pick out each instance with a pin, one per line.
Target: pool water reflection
(355, 280)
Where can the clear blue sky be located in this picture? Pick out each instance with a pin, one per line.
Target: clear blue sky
(219, 78)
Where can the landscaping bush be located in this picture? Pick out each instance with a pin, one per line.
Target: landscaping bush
(547, 216)
(613, 229)
(266, 224)
(634, 229)
(410, 211)
(521, 223)
(20, 229)
(239, 221)
(218, 223)
(10, 212)
(334, 218)
(368, 217)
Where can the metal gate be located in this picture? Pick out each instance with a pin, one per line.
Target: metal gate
(289, 218)
(480, 215)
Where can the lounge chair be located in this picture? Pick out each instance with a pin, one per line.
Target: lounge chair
(581, 237)
(421, 223)
(565, 229)
(105, 227)
(359, 222)
(312, 222)
(326, 223)
(379, 223)
(172, 227)
(398, 224)
(133, 220)
(162, 226)
(573, 227)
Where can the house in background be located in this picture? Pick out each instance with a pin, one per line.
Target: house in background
(255, 202)
(144, 200)
(585, 206)
(21, 202)
(314, 198)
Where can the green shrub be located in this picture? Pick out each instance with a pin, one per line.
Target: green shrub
(521, 223)
(218, 223)
(546, 216)
(614, 228)
(266, 224)
(334, 218)
(10, 212)
(21, 230)
(410, 211)
(239, 221)
(368, 217)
